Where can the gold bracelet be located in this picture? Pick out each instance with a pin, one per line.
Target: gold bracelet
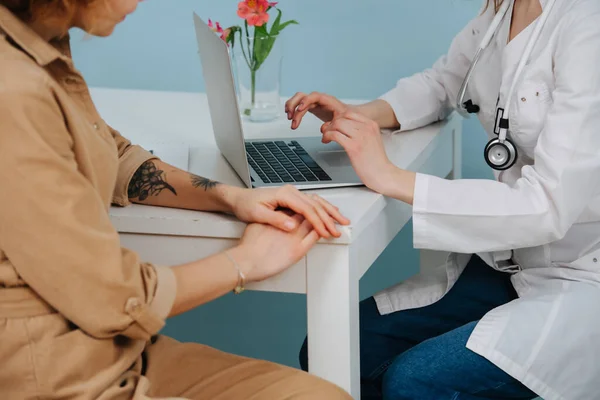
(239, 288)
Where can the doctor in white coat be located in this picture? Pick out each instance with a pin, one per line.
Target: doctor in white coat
(515, 312)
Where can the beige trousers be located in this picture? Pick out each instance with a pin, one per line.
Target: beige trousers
(196, 372)
(45, 357)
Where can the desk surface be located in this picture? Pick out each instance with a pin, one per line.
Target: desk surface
(155, 119)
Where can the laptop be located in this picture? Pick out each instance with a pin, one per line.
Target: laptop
(303, 162)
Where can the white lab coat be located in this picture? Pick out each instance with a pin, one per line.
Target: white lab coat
(543, 213)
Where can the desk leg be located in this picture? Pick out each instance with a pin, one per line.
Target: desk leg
(457, 153)
(332, 308)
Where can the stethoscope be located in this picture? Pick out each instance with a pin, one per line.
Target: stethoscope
(500, 153)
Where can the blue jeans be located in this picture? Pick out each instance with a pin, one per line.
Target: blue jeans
(421, 353)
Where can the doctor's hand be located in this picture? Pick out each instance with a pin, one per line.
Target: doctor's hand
(321, 105)
(263, 205)
(362, 140)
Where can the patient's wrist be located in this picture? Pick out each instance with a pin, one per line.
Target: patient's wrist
(228, 196)
(246, 264)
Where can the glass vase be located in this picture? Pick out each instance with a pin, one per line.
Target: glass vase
(257, 68)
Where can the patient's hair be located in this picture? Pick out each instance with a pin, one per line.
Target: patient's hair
(28, 10)
(497, 4)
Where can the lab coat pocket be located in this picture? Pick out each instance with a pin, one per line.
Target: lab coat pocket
(532, 104)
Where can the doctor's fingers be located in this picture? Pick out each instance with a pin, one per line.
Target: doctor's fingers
(298, 115)
(370, 126)
(292, 104)
(339, 138)
(348, 127)
(321, 99)
(329, 106)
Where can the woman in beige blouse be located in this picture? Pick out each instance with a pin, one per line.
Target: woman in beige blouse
(79, 315)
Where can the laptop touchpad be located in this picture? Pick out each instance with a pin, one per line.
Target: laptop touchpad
(334, 158)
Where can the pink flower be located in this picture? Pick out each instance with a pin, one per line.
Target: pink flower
(255, 11)
(225, 35)
(216, 27)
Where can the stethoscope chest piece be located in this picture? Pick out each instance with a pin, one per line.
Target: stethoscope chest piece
(500, 155)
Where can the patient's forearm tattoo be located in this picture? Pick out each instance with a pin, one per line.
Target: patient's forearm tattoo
(148, 181)
(200, 182)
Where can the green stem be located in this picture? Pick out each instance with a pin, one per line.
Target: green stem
(253, 64)
(244, 51)
(250, 50)
(253, 85)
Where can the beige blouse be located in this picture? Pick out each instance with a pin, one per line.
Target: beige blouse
(76, 309)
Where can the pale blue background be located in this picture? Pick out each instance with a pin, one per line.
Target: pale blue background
(351, 49)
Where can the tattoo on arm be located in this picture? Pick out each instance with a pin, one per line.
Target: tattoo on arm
(200, 182)
(148, 181)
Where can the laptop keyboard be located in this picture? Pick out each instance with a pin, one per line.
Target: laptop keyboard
(280, 162)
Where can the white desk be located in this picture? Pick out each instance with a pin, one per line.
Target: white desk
(330, 273)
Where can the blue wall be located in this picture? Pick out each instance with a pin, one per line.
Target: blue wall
(351, 49)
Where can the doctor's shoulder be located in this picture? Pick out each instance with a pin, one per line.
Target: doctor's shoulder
(578, 14)
(480, 22)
